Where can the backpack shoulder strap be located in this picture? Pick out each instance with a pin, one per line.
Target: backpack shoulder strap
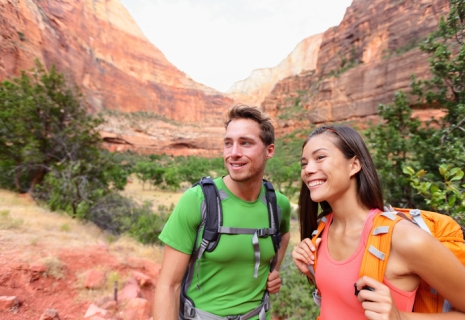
(213, 218)
(213, 221)
(378, 246)
(274, 218)
(312, 268)
(315, 235)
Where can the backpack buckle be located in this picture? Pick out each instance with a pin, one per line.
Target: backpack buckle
(189, 310)
(233, 317)
(265, 232)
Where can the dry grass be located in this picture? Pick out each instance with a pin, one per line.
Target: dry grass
(295, 234)
(54, 267)
(24, 223)
(141, 193)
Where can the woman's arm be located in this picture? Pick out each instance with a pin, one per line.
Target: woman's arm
(415, 253)
(432, 261)
(303, 256)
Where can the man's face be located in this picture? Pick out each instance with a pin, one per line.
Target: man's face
(244, 153)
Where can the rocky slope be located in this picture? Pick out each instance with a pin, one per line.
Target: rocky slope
(259, 84)
(53, 267)
(104, 52)
(361, 62)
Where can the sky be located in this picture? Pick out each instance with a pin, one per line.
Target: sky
(220, 42)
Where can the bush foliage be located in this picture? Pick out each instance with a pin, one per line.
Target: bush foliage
(52, 150)
(434, 148)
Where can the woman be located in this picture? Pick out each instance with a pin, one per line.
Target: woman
(338, 175)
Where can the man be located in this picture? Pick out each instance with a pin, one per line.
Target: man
(224, 282)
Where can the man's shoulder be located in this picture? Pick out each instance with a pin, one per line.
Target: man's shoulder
(282, 198)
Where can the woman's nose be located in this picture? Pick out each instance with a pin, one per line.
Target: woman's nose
(309, 169)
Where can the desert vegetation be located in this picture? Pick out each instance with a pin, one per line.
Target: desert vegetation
(50, 149)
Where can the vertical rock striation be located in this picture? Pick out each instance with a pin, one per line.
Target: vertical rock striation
(101, 48)
(363, 61)
(260, 83)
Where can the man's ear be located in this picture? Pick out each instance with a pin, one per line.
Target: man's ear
(270, 151)
(355, 166)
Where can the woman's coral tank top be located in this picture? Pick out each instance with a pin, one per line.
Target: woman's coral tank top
(336, 279)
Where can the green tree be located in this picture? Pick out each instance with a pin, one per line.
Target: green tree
(446, 196)
(392, 146)
(283, 170)
(51, 144)
(43, 123)
(404, 141)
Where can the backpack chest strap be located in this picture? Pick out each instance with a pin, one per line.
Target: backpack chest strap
(257, 233)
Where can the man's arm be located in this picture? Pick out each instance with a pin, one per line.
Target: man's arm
(168, 289)
(273, 284)
(282, 249)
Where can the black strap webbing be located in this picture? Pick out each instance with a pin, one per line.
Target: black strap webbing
(272, 205)
(214, 217)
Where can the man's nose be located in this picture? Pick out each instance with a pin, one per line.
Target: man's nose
(236, 150)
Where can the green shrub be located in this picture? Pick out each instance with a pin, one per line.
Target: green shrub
(446, 196)
(117, 215)
(295, 300)
(148, 227)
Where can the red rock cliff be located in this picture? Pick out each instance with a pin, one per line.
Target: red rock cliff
(106, 54)
(363, 61)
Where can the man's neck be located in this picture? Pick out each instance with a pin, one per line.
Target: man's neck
(247, 191)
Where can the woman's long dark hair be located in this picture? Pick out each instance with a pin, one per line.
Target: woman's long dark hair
(369, 190)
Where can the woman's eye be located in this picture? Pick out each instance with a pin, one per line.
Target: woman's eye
(303, 164)
(320, 157)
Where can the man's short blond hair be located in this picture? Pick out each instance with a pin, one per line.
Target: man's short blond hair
(242, 111)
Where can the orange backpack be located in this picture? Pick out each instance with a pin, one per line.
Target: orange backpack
(376, 255)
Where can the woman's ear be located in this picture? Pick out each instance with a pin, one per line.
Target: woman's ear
(355, 166)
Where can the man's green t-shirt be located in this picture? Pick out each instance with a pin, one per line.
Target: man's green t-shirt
(226, 275)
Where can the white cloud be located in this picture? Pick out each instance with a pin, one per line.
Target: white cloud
(219, 42)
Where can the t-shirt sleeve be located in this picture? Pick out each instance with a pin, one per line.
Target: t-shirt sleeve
(181, 228)
(285, 206)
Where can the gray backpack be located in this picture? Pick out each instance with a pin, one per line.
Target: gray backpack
(212, 226)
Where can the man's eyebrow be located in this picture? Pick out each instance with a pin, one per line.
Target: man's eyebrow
(240, 138)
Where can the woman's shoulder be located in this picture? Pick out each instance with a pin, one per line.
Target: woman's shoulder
(416, 246)
(408, 237)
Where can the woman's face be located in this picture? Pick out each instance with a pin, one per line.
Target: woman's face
(325, 170)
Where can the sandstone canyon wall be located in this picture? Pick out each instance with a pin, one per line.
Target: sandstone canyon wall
(362, 62)
(100, 45)
(254, 89)
(341, 74)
